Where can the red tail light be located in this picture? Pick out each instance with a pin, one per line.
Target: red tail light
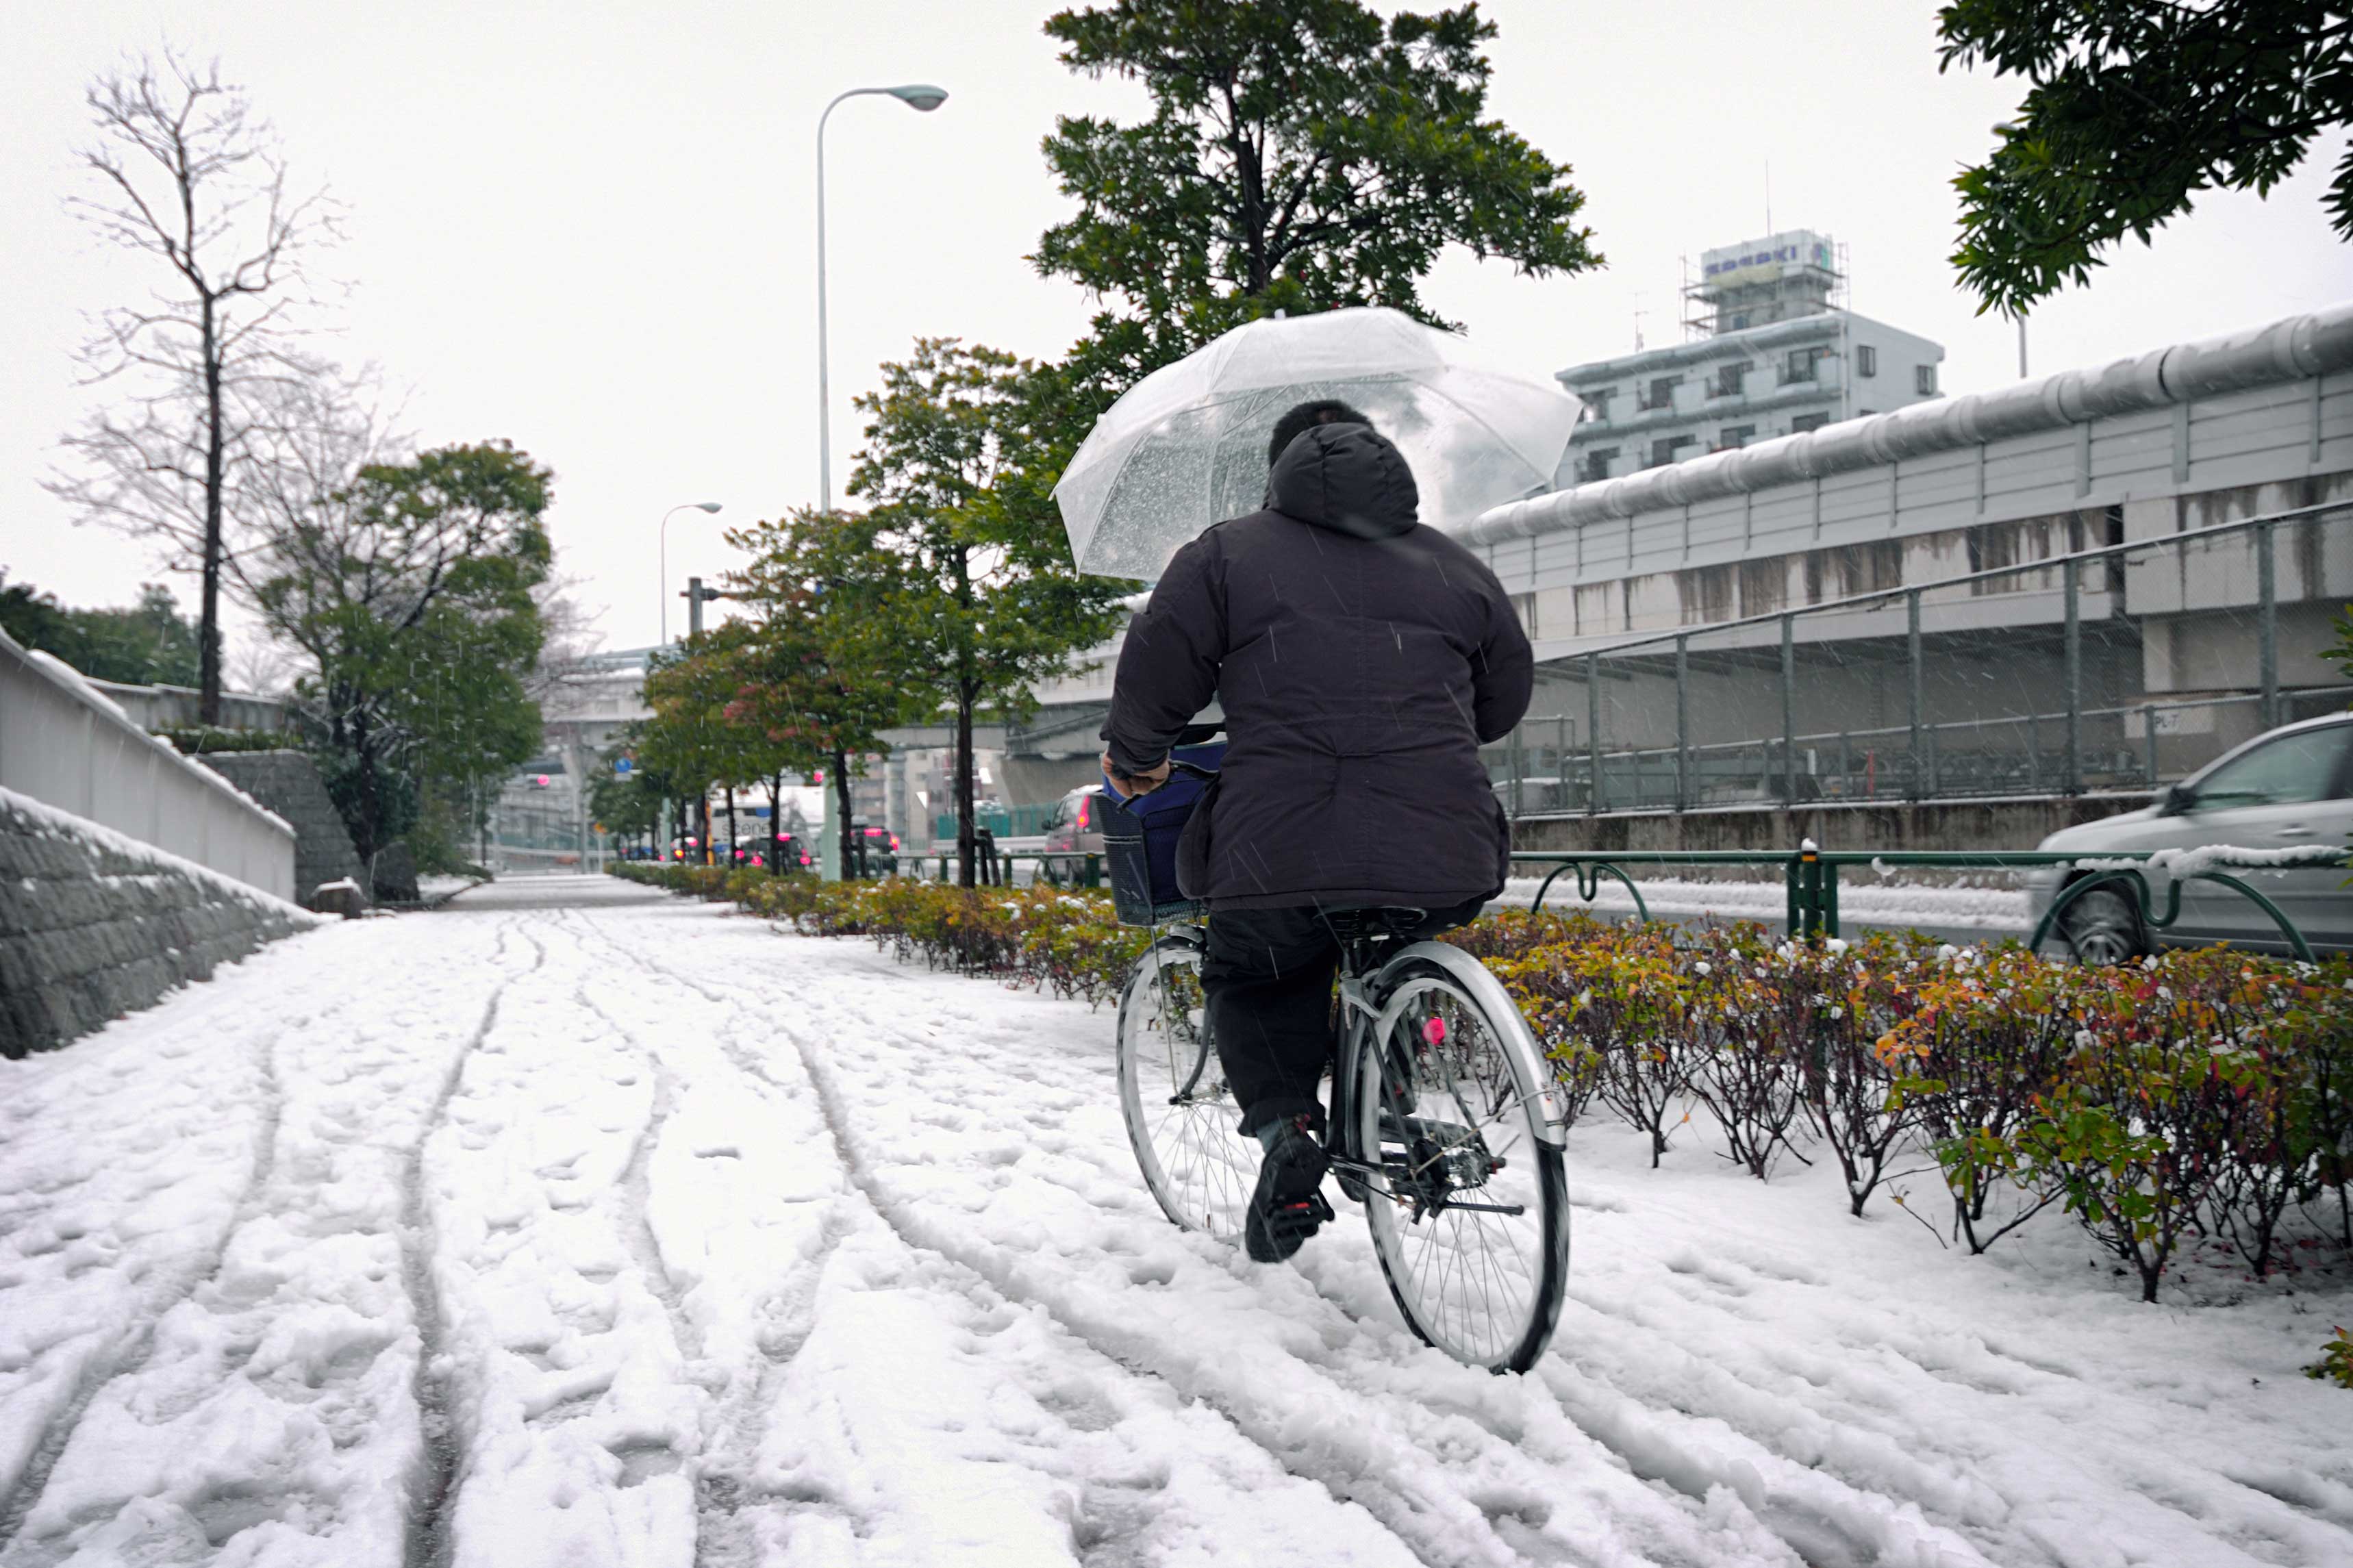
(1083, 814)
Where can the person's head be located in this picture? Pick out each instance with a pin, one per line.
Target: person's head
(1323, 411)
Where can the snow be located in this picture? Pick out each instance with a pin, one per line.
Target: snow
(578, 1225)
(2216, 857)
(87, 834)
(1998, 911)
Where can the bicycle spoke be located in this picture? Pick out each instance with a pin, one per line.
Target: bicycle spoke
(1474, 1278)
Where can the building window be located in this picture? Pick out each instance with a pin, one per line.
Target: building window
(1733, 435)
(1729, 378)
(1595, 463)
(1804, 422)
(1597, 403)
(1664, 449)
(1525, 606)
(1661, 393)
(1866, 360)
(1924, 379)
(1800, 365)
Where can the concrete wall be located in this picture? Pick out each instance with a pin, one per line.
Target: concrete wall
(94, 924)
(1971, 825)
(65, 744)
(288, 782)
(181, 707)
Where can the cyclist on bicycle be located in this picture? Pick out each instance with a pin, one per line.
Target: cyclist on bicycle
(1361, 658)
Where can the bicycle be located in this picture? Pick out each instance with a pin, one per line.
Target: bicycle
(1446, 1127)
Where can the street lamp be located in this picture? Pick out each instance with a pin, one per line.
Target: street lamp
(915, 95)
(662, 586)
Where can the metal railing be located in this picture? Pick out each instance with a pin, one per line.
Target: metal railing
(2020, 678)
(1811, 877)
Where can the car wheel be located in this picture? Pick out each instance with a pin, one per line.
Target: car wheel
(2103, 927)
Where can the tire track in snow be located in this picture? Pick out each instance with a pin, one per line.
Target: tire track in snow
(428, 1544)
(1829, 1521)
(719, 1479)
(909, 1230)
(134, 1346)
(721, 1504)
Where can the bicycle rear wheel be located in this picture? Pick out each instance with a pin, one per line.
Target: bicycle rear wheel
(1181, 1116)
(1469, 1208)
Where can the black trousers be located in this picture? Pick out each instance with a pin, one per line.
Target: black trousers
(1269, 977)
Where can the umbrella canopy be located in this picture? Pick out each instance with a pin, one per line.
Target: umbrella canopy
(1185, 446)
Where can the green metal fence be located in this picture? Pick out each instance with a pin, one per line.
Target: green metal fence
(1811, 879)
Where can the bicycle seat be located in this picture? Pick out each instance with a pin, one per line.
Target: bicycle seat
(1394, 922)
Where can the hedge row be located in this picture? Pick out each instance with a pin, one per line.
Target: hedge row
(1067, 942)
(2201, 1093)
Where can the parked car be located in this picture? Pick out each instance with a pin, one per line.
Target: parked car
(881, 849)
(2289, 788)
(1072, 826)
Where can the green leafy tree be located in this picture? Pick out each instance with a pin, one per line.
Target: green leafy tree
(980, 604)
(1301, 154)
(688, 687)
(2135, 107)
(627, 804)
(149, 643)
(408, 589)
(825, 667)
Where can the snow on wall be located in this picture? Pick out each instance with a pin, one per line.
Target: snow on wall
(94, 923)
(64, 742)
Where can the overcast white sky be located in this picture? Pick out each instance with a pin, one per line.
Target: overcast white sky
(587, 225)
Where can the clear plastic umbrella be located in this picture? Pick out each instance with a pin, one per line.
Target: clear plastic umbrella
(1185, 446)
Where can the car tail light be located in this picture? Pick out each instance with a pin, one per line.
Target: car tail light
(1083, 814)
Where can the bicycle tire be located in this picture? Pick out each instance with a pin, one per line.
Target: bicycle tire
(1484, 1287)
(1182, 1119)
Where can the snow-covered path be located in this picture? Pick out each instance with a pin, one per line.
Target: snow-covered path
(578, 1226)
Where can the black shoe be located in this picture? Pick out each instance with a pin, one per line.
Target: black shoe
(1288, 1206)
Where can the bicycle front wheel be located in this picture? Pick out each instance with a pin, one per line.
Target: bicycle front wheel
(1182, 1119)
(1469, 1206)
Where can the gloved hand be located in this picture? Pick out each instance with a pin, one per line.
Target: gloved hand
(1127, 786)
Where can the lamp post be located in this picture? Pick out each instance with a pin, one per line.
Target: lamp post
(915, 95)
(662, 584)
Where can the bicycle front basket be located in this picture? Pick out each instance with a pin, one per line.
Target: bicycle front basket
(1140, 842)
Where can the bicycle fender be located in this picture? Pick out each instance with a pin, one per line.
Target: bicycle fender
(1528, 1062)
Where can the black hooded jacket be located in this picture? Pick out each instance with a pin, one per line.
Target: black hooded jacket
(1361, 659)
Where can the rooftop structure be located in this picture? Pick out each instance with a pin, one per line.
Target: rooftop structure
(1772, 351)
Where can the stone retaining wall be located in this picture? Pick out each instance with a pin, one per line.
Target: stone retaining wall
(94, 924)
(288, 782)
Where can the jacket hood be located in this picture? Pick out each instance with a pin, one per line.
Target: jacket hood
(1347, 478)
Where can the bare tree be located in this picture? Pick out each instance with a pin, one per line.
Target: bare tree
(184, 172)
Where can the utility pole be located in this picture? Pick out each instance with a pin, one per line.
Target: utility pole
(696, 596)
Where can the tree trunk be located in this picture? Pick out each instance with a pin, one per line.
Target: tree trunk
(848, 865)
(775, 822)
(369, 805)
(208, 635)
(731, 828)
(966, 845)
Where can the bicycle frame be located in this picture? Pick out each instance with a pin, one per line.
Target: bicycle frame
(1361, 1019)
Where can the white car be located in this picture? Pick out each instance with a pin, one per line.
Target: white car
(2289, 788)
